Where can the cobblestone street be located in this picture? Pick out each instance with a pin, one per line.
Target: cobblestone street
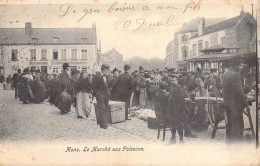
(43, 122)
(39, 135)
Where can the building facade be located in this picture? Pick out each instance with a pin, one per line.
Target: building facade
(112, 58)
(47, 49)
(221, 41)
(218, 39)
(178, 49)
(170, 61)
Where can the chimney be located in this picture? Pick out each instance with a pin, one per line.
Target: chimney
(252, 9)
(28, 28)
(201, 26)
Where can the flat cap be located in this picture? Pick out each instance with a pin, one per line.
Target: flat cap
(163, 85)
(141, 67)
(127, 67)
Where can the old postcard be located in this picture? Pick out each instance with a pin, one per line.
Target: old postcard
(129, 82)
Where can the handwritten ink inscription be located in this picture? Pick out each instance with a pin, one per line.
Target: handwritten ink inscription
(193, 6)
(67, 9)
(115, 8)
(134, 24)
(141, 23)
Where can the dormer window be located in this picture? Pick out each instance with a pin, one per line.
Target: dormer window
(34, 40)
(84, 40)
(55, 39)
(184, 38)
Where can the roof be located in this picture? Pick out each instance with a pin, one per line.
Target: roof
(218, 57)
(17, 36)
(111, 52)
(222, 25)
(218, 47)
(192, 25)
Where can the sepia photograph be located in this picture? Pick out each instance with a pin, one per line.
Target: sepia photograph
(129, 82)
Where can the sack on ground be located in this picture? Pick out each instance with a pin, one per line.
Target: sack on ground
(65, 101)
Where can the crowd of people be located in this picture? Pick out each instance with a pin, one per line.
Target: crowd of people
(161, 90)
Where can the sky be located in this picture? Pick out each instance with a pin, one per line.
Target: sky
(131, 27)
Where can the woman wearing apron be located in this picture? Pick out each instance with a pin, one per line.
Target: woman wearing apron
(83, 95)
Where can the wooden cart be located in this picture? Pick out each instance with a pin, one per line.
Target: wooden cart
(215, 113)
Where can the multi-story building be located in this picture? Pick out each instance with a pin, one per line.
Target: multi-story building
(47, 49)
(220, 42)
(181, 46)
(170, 62)
(178, 49)
(112, 58)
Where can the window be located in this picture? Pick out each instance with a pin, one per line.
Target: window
(55, 39)
(44, 54)
(34, 40)
(55, 54)
(184, 38)
(194, 49)
(215, 65)
(73, 54)
(206, 44)
(184, 52)
(200, 45)
(234, 51)
(83, 54)
(73, 68)
(14, 55)
(2, 55)
(84, 69)
(63, 54)
(55, 70)
(223, 40)
(84, 40)
(33, 54)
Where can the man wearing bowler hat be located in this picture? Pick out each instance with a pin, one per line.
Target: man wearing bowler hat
(102, 94)
(64, 78)
(235, 102)
(125, 86)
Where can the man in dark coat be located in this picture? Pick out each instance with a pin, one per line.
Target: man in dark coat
(64, 78)
(161, 102)
(2, 78)
(101, 92)
(176, 108)
(16, 79)
(111, 83)
(54, 89)
(125, 86)
(235, 102)
(65, 98)
(26, 82)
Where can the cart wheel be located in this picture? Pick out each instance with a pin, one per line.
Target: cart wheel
(212, 113)
(209, 116)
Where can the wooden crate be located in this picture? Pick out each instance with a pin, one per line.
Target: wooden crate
(152, 123)
(115, 112)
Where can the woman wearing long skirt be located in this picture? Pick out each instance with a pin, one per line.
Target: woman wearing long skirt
(83, 95)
